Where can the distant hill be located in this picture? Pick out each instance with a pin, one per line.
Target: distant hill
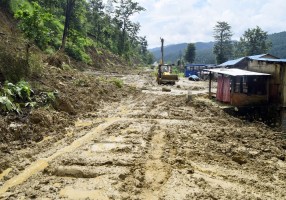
(204, 50)
(173, 52)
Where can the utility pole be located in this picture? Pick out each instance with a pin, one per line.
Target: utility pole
(162, 50)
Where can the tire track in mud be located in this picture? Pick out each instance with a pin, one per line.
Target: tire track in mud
(156, 170)
(76, 167)
(153, 147)
(41, 164)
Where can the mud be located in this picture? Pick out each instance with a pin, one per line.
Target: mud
(151, 145)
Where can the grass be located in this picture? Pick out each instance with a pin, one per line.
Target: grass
(117, 82)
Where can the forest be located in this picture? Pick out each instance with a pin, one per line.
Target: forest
(76, 26)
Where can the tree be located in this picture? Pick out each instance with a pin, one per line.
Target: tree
(149, 58)
(190, 53)
(223, 45)
(254, 41)
(69, 8)
(124, 10)
(96, 18)
(109, 7)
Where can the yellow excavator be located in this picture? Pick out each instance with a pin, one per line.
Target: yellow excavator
(164, 75)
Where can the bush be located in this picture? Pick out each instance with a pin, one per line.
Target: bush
(117, 82)
(77, 53)
(20, 92)
(13, 66)
(11, 96)
(15, 5)
(35, 65)
(76, 46)
(7, 105)
(39, 25)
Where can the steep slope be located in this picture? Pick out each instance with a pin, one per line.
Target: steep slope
(61, 92)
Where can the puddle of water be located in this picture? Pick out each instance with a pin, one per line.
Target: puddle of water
(72, 193)
(5, 173)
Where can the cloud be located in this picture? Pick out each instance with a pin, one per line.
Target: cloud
(193, 20)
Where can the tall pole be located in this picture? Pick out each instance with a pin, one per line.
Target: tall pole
(210, 84)
(162, 50)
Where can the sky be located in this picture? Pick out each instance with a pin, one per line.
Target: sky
(190, 21)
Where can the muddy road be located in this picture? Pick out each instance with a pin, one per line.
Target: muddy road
(155, 145)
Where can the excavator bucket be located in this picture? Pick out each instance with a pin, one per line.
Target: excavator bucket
(170, 77)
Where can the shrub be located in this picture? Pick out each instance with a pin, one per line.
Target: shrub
(12, 95)
(77, 53)
(35, 65)
(76, 46)
(117, 82)
(6, 104)
(21, 91)
(16, 66)
(13, 66)
(39, 25)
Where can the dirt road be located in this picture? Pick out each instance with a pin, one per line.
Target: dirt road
(155, 145)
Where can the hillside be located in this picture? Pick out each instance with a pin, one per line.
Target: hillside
(53, 91)
(173, 52)
(204, 51)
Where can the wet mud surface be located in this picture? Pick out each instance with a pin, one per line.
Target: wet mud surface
(154, 145)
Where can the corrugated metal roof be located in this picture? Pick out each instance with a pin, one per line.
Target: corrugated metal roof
(256, 56)
(271, 60)
(236, 72)
(231, 62)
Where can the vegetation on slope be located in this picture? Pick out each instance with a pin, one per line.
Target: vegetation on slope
(89, 26)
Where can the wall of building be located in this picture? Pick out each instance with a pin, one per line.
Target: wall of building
(264, 67)
(277, 83)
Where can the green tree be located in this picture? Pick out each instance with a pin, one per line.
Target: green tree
(123, 11)
(69, 8)
(149, 58)
(223, 45)
(254, 41)
(144, 45)
(190, 53)
(95, 18)
(37, 25)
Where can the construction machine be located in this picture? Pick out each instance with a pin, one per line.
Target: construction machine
(165, 76)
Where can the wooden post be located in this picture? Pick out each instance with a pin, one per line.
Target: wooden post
(267, 87)
(233, 84)
(210, 85)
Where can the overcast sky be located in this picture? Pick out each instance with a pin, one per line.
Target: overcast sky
(179, 21)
